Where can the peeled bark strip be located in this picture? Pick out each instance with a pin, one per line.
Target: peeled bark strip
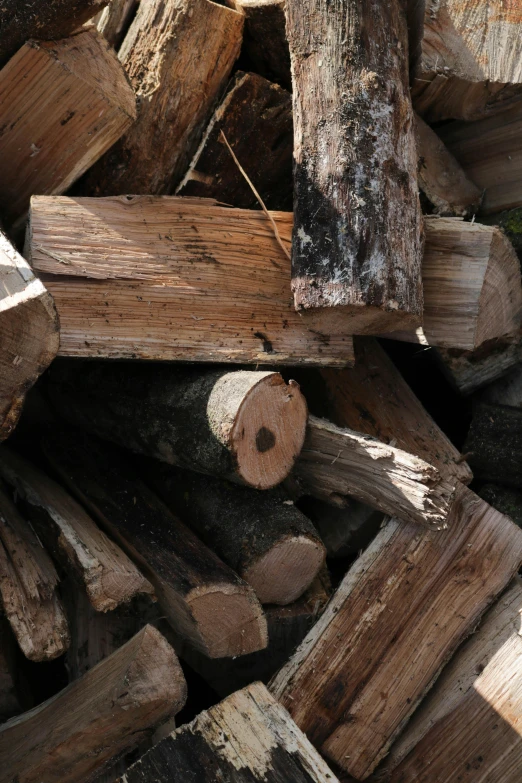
(108, 575)
(441, 178)
(177, 279)
(247, 738)
(28, 588)
(114, 21)
(62, 105)
(176, 92)
(108, 711)
(467, 728)
(256, 118)
(337, 462)
(399, 614)
(261, 536)
(373, 397)
(202, 598)
(494, 443)
(471, 370)
(357, 234)
(29, 329)
(248, 426)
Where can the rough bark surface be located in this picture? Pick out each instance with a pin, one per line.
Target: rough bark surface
(494, 443)
(471, 370)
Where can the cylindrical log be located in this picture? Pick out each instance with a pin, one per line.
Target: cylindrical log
(247, 426)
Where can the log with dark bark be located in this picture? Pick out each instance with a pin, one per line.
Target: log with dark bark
(356, 204)
(256, 119)
(397, 617)
(29, 329)
(177, 279)
(471, 370)
(115, 20)
(176, 92)
(336, 462)
(108, 711)
(247, 738)
(62, 105)
(494, 444)
(207, 603)
(107, 574)
(248, 426)
(28, 588)
(507, 501)
(261, 535)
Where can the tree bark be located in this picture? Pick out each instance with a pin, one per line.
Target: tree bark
(471, 370)
(248, 426)
(494, 444)
(399, 614)
(357, 212)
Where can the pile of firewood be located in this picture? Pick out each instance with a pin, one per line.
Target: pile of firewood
(180, 520)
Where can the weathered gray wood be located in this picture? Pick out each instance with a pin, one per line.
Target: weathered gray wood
(506, 390)
(344, 531)
(471, 370)
(114, 21)
(494, 444)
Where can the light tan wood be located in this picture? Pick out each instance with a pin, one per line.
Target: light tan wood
(109, 576)
(62, 105)
(114, 20)
(29, 329)
(338, 462)
(214, 287)
(397, 617)
(471, 370)
(108, 711)
(468, 727)
(28, 588)
(472, 288)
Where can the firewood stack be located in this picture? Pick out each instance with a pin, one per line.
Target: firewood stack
(260, 391)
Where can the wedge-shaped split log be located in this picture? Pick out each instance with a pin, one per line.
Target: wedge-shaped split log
(107, 574)
(248, 426)
(62, 105)
(247, 738)
(29, 329)
(204, 600)
(397, 617)
(108, 711)
(177, 279)
(357, 234)
(336, 462)
(494, 444)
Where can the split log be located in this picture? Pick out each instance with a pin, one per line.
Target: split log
(373, 397)
(176, 92)
(507, 501)
(176, 279)
(115, 20)
(256, 119)
(24, 19)
(260, 535)
(103, 714)
(507, 390)
(494, 444)
(29, 328)
(441, 178)
(28, 588)
(337, 462)
(397, 617)
(109, 576)
(247, 425)
(472, 287)
(471, 370)
(9, 701)
(356, 203)
(344, 531)
(467, 729)
(62, 105)
(248, 737)
(214, 610)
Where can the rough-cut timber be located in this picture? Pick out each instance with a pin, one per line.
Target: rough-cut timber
(506, 390)
(397, 617)
(109, 577)
(28, 588)
(29, 329)
(62, 105)
(336, 462)
(206, 602)
(114, 21)
(248, 738)
(494, 444)
(248, 425)
(176, 279)
(261, 535)
(373, 397)
(471, 370)
(507, 501)
(24, 19)
(441, 178)
(176, 92)
(9, 699)
(108, 711)
(357, 234)
(256, 119)
(472, 286)
(468, 728)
